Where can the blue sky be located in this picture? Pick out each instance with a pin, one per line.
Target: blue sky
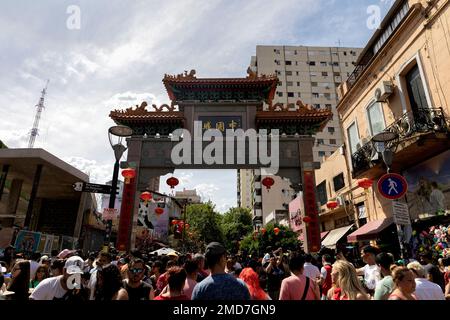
(122, 50)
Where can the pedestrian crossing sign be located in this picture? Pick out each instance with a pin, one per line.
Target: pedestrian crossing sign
(392, 186)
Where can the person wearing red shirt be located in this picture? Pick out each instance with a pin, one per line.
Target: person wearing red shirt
(176, 278)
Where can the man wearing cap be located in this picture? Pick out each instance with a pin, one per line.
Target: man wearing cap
(63, 287)
(219, 285)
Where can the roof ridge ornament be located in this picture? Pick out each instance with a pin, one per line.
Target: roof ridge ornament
(182, 76)
(141, 110)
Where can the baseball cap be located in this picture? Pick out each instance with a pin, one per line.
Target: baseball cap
(172, 254)
(215, 249)
(74, 265)
(66, 252)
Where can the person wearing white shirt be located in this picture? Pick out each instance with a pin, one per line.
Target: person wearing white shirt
(310, 270)
(425, 289)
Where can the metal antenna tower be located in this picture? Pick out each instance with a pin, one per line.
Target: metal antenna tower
(40, 106)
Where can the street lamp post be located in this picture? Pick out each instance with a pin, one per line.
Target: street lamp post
(115, 135)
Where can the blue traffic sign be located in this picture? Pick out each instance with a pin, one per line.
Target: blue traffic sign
(392, 186)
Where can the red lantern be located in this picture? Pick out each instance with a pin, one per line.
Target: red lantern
(307, 219)
(174, 222)
(332, 205)
(365, 184)
(263, 231)
(172, 182)
(128, 174)
(159, 210)
(276, 231)
(146, 196)
(268, 182)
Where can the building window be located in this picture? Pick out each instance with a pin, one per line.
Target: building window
(333, 141)
(277, 62)
(312, 63)
(323, 64)
(353, 138)
(289, 73)
(338, 182)
(331, 130)
(317, 106)
(343, 222)
(327, 95)
(277, 51)
(346, 64)
(299, 95)
(335, 64)
(416, 91)
(314, 84)
(298, 84)
(353, 53)
(297, 73)
(345, 53)
(319, 142)
(313, 74)
(375, 116)
(337, 74)
(325, 74)
(280, 94)
(289, 83)
(280, 83)
(315, 95)
(328, 106)
(321, 154)
(290, 94)
(322, 193)
(278, 72)
(288, 63)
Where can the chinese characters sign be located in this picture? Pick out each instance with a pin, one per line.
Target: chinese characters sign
(221, 123)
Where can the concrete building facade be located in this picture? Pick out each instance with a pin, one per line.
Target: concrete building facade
(399, 91)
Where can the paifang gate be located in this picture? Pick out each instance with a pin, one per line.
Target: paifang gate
(228, 106)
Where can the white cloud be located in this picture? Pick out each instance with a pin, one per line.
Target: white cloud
(119, 56)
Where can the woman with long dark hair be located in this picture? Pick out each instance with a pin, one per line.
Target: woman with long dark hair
(20, 280)
(109, 285)
(42, 273)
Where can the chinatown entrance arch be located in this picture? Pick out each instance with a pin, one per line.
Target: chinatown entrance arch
(236, 104)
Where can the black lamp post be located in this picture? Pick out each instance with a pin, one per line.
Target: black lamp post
(116, 135)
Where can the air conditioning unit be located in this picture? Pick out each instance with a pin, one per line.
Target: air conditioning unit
(383, 92)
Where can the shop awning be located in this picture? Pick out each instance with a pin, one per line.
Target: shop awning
(322, 236)
(334, 236)
(370, 231)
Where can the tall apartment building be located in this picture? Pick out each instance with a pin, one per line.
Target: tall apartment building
(244, 185)
(312, 75)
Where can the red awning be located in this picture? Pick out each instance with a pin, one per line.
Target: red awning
(370, 231)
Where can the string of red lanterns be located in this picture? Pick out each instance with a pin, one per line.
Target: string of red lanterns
(172, 182)
(268, 182)
(128, 174)
(332, 205)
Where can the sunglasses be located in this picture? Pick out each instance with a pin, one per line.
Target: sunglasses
(136, 270)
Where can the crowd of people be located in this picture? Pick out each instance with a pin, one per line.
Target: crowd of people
(217, 275)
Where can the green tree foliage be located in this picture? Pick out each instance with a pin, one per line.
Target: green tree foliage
(205, 223)
(255, 243)
(236, 224)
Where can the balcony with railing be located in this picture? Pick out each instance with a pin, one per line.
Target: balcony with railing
(419, 135)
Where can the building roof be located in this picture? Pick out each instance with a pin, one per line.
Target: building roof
(187, 87)
(164, 113)
(280, 113)
(57, 176)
